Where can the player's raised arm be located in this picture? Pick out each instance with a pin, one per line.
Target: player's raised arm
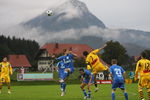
(99, 49)
(105, 45)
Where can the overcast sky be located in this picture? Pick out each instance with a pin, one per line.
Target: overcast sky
(133, 14)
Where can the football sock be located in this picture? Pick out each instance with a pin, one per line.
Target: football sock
(84, 92)
(141, 95)
(64, 87)
(89, 94)
(95, 83)
(61, 86)
(113, 96)
(8, 86)
(126, 95)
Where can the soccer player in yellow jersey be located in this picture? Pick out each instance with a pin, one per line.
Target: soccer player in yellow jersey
(5, 72)
(143, 70)
(93, 63)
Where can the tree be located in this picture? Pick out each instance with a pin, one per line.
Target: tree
(147, 53)
(115, 50)
(15, 45)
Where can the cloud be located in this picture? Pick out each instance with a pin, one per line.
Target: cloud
(14, 12)
(114, 13)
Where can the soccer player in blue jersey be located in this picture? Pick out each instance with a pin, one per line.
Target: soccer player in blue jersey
(117, 73)
(67, 60)
(87, 80)
(62, 76)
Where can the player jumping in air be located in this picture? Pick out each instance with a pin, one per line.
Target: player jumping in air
(93, 63)
(143, 69)
(117, 73)
(62, 76)
(5, 72)
(67, 59)
(87, 80)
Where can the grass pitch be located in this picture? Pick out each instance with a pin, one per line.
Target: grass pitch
(52, 92)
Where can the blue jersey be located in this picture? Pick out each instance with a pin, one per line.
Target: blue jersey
(117, 73)
(68, 60)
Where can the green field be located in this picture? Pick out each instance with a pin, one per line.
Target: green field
(52, 92)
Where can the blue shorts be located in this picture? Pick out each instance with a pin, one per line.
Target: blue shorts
(118, 85)
(62, 76)
(86, 81)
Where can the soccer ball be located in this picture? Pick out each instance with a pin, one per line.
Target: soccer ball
(49, 12)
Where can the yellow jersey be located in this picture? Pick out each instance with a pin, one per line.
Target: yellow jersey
(93, 59)
(143, 67)
(5, 69)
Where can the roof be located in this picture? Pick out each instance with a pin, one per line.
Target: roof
(19, 61)
(55, 48)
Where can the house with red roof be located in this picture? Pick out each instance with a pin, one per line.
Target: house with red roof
(45, 52)
(19, 61)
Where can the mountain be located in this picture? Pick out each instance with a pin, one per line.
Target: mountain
(133, 49)
(72, 22)
(72, 14)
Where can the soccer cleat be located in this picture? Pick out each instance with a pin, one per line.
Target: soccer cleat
(143, 99)
(9, 92)
(96, 89)
(62, 94)
(85, 97)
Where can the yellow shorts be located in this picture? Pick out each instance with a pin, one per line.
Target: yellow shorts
(5, 79)
(98, 68)
(144, 82)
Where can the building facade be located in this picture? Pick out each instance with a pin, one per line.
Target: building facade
(45, 62)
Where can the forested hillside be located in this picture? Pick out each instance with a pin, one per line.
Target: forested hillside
(15, 45)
